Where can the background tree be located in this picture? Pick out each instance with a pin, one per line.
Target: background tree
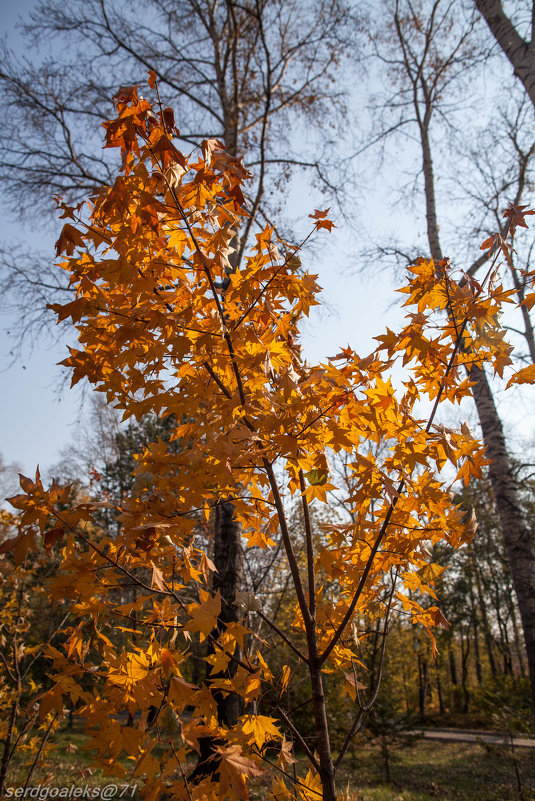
(434, 49)
(254, 74)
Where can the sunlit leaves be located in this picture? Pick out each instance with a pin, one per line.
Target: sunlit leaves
(166, 327)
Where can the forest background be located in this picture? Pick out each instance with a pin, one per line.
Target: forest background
(480, 138)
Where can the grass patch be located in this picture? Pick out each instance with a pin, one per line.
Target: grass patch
(425, 771)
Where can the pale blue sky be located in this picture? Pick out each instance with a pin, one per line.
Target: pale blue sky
(36, 420)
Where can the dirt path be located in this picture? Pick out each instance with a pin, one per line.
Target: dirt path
(474, 736)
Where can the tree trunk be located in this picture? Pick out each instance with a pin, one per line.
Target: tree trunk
(423, 678)
(465, 649)
(228, 559)
(323, 744)
(516, 534)
(455, 694)
(453, 668)
(521, 54)
(441, 707)
(386, 756)
(518, 643)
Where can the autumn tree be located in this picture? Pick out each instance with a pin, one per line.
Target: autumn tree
(248, 73)
(158, 334)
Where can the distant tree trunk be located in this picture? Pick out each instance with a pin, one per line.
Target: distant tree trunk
(423, 680)
(406, 691)
(453, 667)
(465, 650)
(484, 619)
(441, 707)
(475, 626)
(386, 756)
(518, 642)
(454, 695)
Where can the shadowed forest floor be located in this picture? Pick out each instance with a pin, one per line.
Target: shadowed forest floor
(420, 771)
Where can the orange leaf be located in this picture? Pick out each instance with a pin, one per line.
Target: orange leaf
(524, 376)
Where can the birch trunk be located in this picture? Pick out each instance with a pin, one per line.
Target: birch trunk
(516, 534)
(521, 53)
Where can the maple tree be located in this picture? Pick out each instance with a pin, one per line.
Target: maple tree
(246, 72)
(165, 328)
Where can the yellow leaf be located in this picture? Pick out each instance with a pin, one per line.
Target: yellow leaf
(259, 728)
(204, 615)
(316, 477)
(168, 661)
(285, 677)
(431, 572)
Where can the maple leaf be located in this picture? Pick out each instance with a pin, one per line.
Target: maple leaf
(204, 615)
(516, 216)
(321, 221)
(285, 678)
(234, 767)
(429, 573)
(192, 731)
(168, 661)
(209, 147)
(247, 601)
(354, 682)
(285, 757)
(524, 376)
(259, 728)
(317, 477)
(20, 545)
(181, 693)
(69, 239)
(157, 574)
